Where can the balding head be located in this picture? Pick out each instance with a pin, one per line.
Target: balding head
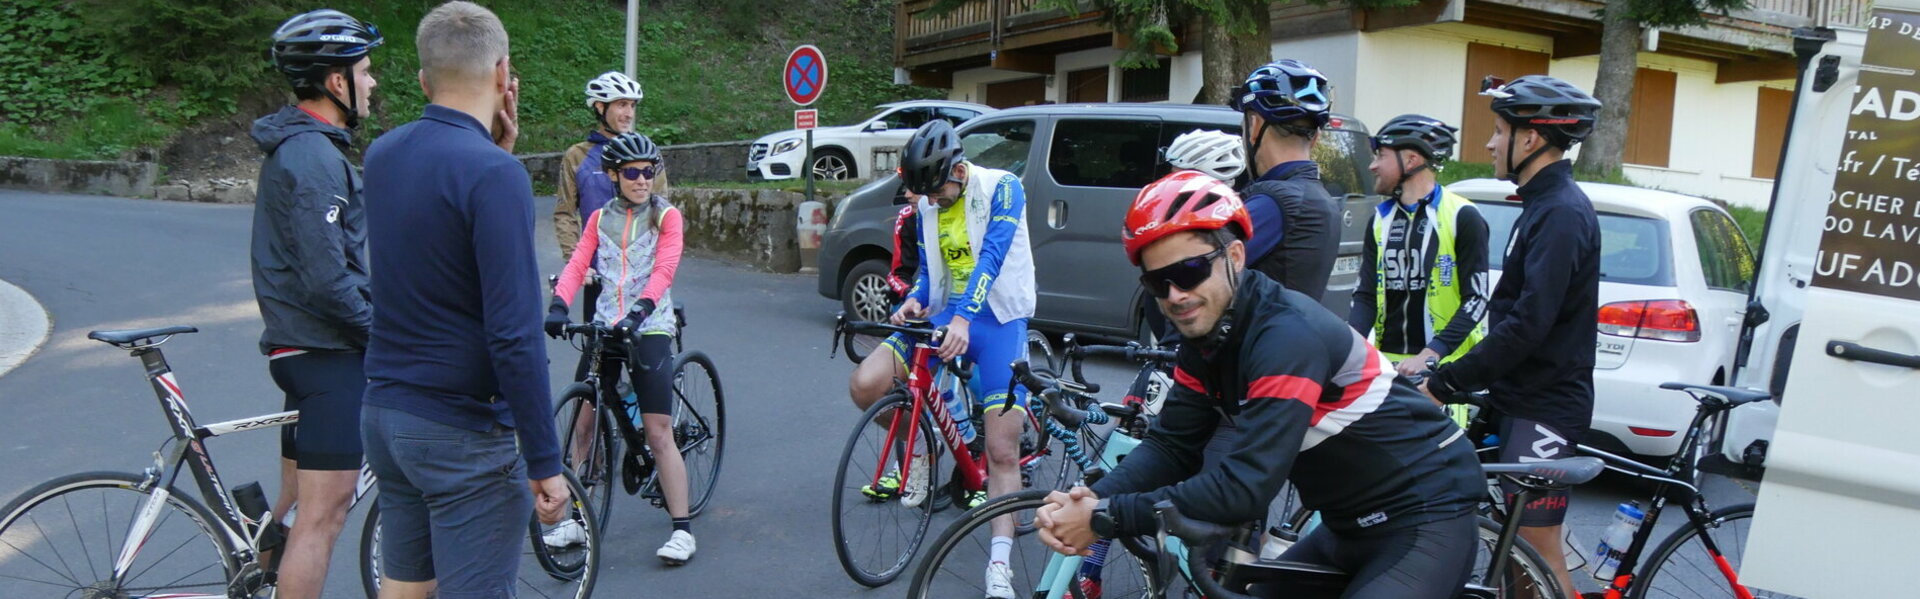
(461, 46)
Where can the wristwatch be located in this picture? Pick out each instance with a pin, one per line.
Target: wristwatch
(1102, 522)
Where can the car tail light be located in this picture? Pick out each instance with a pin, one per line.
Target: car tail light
(1650, 432)
(1662, 320)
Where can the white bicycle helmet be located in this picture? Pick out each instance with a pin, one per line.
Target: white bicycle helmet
(610, 86)
(1219, 154)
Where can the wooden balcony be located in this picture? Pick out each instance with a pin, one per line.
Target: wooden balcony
(1012, 34)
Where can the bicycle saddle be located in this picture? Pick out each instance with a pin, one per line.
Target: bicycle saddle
(1719, 396)
(1563, 472)
(128, 337)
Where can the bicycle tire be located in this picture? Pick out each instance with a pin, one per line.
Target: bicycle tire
(1652, 585)
(704, 434)
(1030, 553)
(370, 550)
(599, 471)
(1533, 577)
(59, 492)
(883, 571)
(583, 572)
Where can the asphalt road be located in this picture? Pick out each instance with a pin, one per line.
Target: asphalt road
(103, 263)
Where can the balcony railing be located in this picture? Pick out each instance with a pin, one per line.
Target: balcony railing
(919, 29)
(1813, 13)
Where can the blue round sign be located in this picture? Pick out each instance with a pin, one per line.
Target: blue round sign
(804, 75)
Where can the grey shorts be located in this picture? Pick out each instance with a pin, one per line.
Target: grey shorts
(454, 503)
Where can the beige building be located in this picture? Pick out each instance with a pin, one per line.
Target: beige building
(1709, 109)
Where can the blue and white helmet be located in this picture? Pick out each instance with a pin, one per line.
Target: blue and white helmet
(1285, 90)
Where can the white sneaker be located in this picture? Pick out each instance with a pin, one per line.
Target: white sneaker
(678, 550)
(999, 581)
(566, 534)
(917, 475)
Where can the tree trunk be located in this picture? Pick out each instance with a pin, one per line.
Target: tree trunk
(1252, 43)
(1217, 65)
(1604, 150)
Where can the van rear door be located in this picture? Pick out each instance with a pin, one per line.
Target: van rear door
(1842, 492)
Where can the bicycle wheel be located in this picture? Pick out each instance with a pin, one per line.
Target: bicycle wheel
(1526, 576)
(699, 425)
(876, 536)
(956, 565)
(1682, 567)
(66, 534)
(1040, 352)
(551, 572)
(588, 447)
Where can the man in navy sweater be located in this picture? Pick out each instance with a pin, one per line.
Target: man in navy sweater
(456, 366)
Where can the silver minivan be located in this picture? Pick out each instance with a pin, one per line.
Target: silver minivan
(1081, 165)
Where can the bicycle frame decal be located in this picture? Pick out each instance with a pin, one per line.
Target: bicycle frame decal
(137, 533)
(247, 424)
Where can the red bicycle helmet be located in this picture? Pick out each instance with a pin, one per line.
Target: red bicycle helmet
(1186, 200)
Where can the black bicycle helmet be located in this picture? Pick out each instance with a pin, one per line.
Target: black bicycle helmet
(309, 44)
(628, 147)
(1423, 134)
(1563, 113)
(926, 163)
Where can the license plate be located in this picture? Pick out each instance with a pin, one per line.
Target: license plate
(1346, 266)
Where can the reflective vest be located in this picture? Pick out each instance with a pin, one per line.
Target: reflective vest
(1444, 279)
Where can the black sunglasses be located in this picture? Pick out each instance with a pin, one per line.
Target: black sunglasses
(1185, 274)
(635, 173)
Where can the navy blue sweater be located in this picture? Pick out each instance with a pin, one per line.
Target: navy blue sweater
(456, 292)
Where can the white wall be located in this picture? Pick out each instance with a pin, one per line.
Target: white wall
(1418, 71)
(1336, 55)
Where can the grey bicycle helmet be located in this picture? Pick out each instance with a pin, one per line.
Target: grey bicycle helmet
(1560, 112)
(1424, 134)
(307, 46)
(926, 163)
(628, 147)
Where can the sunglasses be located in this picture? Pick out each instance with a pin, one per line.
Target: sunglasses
(1185, 274)
(636, 173)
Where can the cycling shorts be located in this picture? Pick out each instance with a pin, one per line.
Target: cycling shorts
(1523, 440)
(1431, 560)
(651, 373)
(326, 388)
(993, 347)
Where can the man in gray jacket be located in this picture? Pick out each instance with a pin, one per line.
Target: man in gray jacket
(310, 279)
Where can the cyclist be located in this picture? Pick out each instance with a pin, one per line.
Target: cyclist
(635, 240)
(976, 278)
(613, 97)
(1316, 405)
(1296, 233)
(1536, 360)
(906, 246)
(309, 263)
(1426, 293)
(1218, 154)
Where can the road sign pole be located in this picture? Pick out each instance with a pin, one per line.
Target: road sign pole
(808, 165)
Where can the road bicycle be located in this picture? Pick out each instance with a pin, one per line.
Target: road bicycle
(119, 535)
(1505, 567)
(603, 443)
(878, 520)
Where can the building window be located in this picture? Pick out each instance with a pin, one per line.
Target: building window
(1148, 84)
(1650, 126)
(1089, 85)
(1770, 130)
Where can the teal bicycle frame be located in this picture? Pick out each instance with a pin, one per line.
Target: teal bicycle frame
(1060, 568)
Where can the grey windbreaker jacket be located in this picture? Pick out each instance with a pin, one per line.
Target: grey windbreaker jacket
(309, 237)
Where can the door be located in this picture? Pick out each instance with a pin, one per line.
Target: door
(1094, 167)
(1726, 266)
(1844, 467)
(1476, 120)
(1018, 92)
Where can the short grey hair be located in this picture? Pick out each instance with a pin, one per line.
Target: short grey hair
(460, 42)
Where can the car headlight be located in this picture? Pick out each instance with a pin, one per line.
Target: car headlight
(784, 146)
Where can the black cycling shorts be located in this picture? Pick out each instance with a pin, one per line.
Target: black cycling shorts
(1523, 440)
(326, 388)
(651, 373)
(1432, 560)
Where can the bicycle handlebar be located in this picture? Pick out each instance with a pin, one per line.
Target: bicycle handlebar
(1198, 536)
(1051, 390)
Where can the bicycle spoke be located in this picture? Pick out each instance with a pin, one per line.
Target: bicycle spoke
(55, 546)
(49, 567)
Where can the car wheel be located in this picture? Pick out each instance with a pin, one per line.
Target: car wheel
(833, 165)
(863, 295)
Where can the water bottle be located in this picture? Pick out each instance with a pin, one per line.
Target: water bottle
(1616, 539)
(959, 411)
(628, 399)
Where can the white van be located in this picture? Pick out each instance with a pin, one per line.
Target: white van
(1834, 324)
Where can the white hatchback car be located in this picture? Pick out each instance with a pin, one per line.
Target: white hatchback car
(848, 152)
(1674, 275)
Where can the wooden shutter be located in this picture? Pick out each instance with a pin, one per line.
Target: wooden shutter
(1650, 123)
(1088, 85)
(1770, 130)
(1476, 122)
(1019, 92)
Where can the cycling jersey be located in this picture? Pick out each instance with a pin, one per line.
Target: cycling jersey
(309, 248)
(637, 248)
(1296, 230)
(583, 189)
(1315, 405)
(955, 248)
(1428, 284)
(906, 252)
(990, 274)
(1542, 321)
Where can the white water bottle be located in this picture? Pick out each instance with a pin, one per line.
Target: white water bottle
(1615, 541)
(959, 411)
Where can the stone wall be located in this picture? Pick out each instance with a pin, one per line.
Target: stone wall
(756, 226)
(97, 177)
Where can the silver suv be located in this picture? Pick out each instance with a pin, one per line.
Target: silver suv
(1081, 165)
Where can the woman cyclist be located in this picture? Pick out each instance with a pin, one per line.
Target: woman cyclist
(635, 241)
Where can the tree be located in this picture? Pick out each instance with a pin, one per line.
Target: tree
(1623, 23)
